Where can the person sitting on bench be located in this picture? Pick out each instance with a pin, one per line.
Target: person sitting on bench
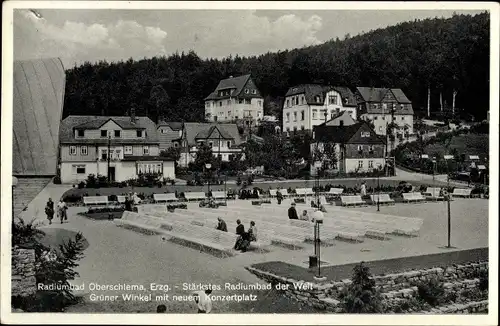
(221, 226)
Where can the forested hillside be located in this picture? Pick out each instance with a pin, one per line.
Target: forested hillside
(447, 54)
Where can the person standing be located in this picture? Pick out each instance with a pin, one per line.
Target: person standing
(203, 301)
(279, 196)
(363, 189)
(61, 210)
(49, 210)
(252, 232)
(240, 231)
(292, 213)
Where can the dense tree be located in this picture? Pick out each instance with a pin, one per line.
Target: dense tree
(448, 58)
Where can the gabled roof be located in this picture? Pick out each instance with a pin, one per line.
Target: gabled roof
(123, 122)
(235, 85)
(338, 115)
(172, 124)
(72, 122)
(206, 133)
(194, 130)
(344, 134)
(374, 94)
(311, 91)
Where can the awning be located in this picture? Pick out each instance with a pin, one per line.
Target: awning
(473, 157)
(481, 167)
(448, 157)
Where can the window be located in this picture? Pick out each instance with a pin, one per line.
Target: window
(104, 154)
(240, 101)
(402, 106)
(302, 99)
(176, 144)
(288, 117)
(295, 116)
(72, 150)
(318, 99)
(128, 150)
(118, 154)
(341, 123)
(220, 103)
(302, 127)
(145, 150)
(370, 164)
(394, 118)
(287, 129)
(104, 133)
(228, 102)
(229, 144)
(79, 169)
(296, 100)
(360, 148)
(375, 106)
(247, 101)
(375, 117)
(302, 115)
(402, 118)
(80, 133)
(247, 91)
(295, 129)
(287, 103)
(360, 164)
(260, 104)
(315, 112)
(210, 144)
(84, 150)
(370, 149)
(380, 128)
(139, 133)
(383, 117)
(254, 91)
(384, 106)
(118, 133)
(365, 134)
(332, 99)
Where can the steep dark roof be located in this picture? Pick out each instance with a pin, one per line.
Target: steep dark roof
(208, 132)
(344, 134)
(72, 122)
(172, 124)
(236, 84)
(374, 94)
(194, 130)
(310, 92)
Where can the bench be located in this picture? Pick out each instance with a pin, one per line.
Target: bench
(194, 196)
(159, 198)
(381, 199)
(304, 191)
(433, 194)
(272, 193)
(352, 200)
(95, 200)
(409, 197)
(462, 192)
(219, 195)
(335, 191)
(121, 199)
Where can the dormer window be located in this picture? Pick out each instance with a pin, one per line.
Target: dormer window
(139, 133)
(118, 133)
(247, 91)
(80, 133)
(104, 133)
(254, 91)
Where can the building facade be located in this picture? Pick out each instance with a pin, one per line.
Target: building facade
(168, 133)
(383, 106)
(357, 147)
(223, 138)
(309, 105)
(123, 147)
(233, 99)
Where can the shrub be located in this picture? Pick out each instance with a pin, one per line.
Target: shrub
(361, 296)
(81, 185)
(483, 281)
(431, 291)
(57, 180)
(72, 198)
(106, 209)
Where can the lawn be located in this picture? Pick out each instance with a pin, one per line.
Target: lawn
(470, 144)
(54, 237)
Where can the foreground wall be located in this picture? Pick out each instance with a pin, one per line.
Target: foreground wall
(37, 110)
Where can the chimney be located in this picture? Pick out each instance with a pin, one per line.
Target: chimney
(132, 115)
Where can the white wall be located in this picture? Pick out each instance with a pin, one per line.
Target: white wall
(231, 109)
(169, 169)
(69, 175)
(380, 121)
(351, 164)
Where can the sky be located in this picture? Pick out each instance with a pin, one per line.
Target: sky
(79, 35)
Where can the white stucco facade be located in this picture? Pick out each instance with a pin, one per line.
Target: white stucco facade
(380, 121)
(233, 109)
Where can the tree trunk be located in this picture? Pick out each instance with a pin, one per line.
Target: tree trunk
(441, 100)
(429, 101)
(453, 103)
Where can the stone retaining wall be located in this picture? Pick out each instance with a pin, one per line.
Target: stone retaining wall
(23, 272)
(395, 287)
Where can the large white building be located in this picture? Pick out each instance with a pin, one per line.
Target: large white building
(309, 105)
(124, 147)
(383, 106)
(235, 98)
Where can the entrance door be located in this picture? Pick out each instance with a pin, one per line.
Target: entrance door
(112, 173)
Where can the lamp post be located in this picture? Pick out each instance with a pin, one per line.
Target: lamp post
(434, 165)
(225, 189)
(318, 219)
(208, 166)
(109, 156)
(379, 168)
(448, 197)
(317, 165)
(14, 185)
